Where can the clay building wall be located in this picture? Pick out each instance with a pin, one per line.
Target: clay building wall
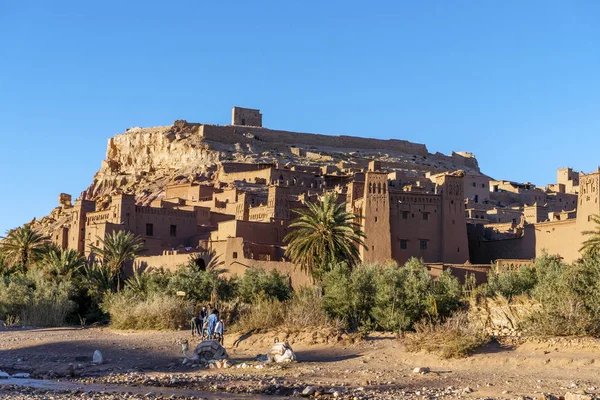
(535, 213)
(160, 227)
(505, 215)
(556, 237)
(235, 263)
(477, 188)
(416, 221)
(561, 201)
(568, 178)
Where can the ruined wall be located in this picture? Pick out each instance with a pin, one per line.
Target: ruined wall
(238, 134)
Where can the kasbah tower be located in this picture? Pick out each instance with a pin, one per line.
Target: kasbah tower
(400, 224)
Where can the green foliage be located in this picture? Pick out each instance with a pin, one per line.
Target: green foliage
(324, 235)
(117, 249)
(511, 283)
(36, 300)
(591, 245)
(22, 246)
(389, 297)
(258, 282)
(199, 285)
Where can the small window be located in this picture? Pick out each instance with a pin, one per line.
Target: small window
(458, 249)
(404, 244)
(404, 214)
(423, 244)
(173, 230)
(483, 185)
(243, 121)
(474, 184)
(149, 230)
(375, 219)
(425, 216)
(234, 254)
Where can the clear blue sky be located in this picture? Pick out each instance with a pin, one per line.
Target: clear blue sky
(515, 82)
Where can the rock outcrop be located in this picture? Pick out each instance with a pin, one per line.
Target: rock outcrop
(144, 160)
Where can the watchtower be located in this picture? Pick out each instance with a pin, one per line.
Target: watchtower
(246, 117)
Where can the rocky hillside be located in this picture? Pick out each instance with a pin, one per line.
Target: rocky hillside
(144, 160)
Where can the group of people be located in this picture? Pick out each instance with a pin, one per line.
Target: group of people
(208, 325)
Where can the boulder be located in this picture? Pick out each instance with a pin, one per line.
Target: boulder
(98, 358)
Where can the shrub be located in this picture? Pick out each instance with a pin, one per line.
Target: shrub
(303, 310)
(389, 297)
(198, 285)
(158, 311)
(35, 300)
(256, 281)
(453, 338)
(511, 283)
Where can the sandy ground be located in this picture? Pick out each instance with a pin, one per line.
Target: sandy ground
(148, 364)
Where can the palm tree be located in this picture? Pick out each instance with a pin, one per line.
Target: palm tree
(22, 246)
(324, 234)
(61, 262)
(118, 248)
(592, 244)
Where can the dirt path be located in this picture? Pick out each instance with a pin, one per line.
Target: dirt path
(379, 367)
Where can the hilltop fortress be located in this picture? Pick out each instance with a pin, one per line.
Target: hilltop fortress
(227, 194)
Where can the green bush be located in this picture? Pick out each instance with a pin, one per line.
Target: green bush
(389, 297)
(35, 300)
(258, 282)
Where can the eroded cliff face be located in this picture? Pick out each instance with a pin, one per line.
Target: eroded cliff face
(141, 161)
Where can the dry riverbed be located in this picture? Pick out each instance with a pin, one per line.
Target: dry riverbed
(149, 365)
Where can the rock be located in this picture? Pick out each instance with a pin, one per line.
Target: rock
(421, 370)
(21, 375)
(4, 375)
(577, 396)
(467, 390)
(308, 391)
(98, 358)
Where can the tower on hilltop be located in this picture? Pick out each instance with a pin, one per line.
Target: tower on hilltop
(246, 117)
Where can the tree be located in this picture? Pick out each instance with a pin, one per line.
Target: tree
(118, 248)
(324, 235)
(592, 244)
(61, 262)
(22, 246)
